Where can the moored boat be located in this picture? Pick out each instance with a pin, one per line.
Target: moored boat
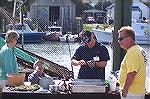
(53, 33)
(68, 38)
(141, 36)
(26, 34)
(102, 35)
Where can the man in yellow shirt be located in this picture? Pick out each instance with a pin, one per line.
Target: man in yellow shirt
(133, 67)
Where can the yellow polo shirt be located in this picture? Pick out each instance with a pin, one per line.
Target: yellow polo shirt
(134, 60)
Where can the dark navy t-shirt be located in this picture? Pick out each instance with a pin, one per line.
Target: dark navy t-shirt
(85, 53)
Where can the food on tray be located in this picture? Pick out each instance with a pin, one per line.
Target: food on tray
(27, 83)
(33, 87)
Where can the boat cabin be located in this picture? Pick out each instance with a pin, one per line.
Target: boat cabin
(19, 28)
(55, 29)
(26, 28)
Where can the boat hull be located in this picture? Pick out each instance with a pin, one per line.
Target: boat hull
(102, 36)
(143, 40)
(32, 37)
(29, 37)
(26, 34)
(106, 37)
(52, 37)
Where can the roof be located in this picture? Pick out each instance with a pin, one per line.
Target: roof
(134, 8)
(94, 11)
(111, 6)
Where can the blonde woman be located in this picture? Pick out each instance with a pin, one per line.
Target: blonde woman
(8, 62)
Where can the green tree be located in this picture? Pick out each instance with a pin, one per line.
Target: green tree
(27, 4)
(81, 6)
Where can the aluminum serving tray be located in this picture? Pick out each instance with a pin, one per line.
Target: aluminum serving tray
(88, 86)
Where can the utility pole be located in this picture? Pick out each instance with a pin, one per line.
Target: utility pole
(14, 9)
(123, 15)
(21, 22)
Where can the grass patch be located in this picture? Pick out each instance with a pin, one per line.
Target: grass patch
(89, 27)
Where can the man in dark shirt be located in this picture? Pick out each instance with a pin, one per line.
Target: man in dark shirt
(92, 57)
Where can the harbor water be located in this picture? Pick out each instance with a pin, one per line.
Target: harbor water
(61, 53)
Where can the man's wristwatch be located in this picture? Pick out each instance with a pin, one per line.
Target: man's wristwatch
(124, 90)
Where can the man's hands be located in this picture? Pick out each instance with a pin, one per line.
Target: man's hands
(124, 93)
(82, 62)
(91, 63)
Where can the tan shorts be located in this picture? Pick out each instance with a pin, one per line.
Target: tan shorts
(134, 96)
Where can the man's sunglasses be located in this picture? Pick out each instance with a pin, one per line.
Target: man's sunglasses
(121, 38)
(86, 39)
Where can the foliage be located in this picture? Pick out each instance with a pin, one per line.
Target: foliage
(9, 5)
(89, 27)
(102, 5)
(81, 6)
(27, 4)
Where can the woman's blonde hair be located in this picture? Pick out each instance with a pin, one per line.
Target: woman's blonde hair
(11, 34)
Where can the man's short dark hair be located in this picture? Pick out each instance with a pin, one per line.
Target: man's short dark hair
(86, 36)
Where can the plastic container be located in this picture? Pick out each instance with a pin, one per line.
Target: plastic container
(45, 82)
(112, 82)
(26, 83)
(15, 79)
(147, 84)
(54, 88)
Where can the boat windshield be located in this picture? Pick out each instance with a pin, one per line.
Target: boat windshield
(19, 27)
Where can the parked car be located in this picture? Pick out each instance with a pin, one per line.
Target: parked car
(90, 20)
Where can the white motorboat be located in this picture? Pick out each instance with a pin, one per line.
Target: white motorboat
(141, 36)
(102, 35)
(53, 33)
(68, 38)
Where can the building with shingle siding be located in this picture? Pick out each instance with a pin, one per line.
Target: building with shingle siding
(46, 12)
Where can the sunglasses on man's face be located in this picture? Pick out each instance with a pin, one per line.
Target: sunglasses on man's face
(85, 39)
(121, 38)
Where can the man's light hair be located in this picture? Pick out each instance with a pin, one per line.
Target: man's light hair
(128, 30)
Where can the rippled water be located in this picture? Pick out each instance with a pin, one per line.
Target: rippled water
(61, 53)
